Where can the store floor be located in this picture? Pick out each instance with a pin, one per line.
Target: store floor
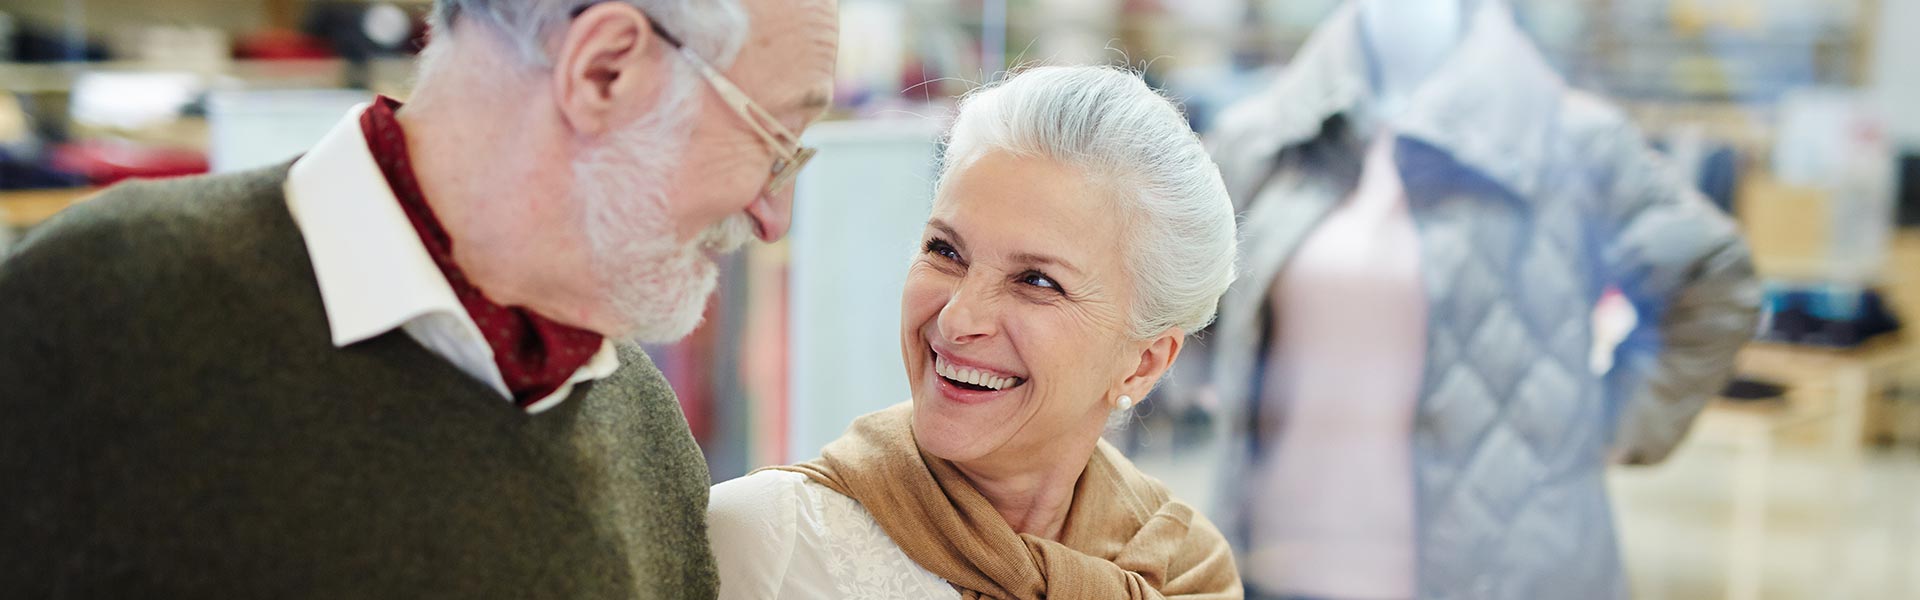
(1823, 539)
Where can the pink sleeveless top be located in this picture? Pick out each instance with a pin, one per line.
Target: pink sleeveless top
(1332, 508)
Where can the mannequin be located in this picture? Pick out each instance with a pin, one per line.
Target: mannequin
(1344, 366)
(1406, 41)
(1402, 369)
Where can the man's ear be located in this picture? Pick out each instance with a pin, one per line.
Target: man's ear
(608, 64)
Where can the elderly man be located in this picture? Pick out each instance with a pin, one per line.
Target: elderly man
(389, 368)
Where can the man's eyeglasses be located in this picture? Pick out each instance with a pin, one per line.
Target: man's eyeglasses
(789, 155)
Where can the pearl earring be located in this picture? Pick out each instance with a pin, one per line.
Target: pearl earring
(1123, 402)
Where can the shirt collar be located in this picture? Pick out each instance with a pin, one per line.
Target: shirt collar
(1490, 106)
(601, 366)
(374, 274)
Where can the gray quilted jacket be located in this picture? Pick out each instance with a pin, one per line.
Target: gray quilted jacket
(1530, 199)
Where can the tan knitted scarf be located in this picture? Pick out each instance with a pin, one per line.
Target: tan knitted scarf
(1124, 536)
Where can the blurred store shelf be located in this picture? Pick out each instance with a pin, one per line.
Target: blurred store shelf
(41, 78)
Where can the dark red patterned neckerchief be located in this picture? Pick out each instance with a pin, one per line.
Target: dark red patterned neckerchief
(536, 355)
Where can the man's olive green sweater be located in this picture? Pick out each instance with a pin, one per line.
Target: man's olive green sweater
(177, 423)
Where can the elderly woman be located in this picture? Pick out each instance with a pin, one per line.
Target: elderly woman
(1079, 231)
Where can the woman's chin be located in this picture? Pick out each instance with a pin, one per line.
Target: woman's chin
(958, 431)
(939, 438)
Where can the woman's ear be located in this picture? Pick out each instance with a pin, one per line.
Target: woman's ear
(609, 64)
(1155, 358)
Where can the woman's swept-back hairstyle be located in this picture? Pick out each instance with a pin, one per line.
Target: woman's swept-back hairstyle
(1133, 142)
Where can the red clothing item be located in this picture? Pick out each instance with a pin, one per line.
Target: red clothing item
(535, 354)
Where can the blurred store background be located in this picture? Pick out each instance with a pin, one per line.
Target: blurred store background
(1801, 117)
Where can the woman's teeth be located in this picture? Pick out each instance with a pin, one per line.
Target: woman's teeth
(972, 376)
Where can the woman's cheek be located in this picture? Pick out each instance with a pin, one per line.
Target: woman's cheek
(924, 294)
(1056, 343)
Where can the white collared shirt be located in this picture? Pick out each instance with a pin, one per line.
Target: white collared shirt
(375, 274)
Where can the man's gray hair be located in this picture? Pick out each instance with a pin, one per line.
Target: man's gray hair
(1133, 142)
(714, 29)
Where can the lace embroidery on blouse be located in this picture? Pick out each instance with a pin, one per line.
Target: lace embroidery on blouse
(861, 560)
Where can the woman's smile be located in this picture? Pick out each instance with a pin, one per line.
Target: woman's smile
(968, 382)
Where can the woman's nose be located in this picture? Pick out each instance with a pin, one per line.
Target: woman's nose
(968, 315)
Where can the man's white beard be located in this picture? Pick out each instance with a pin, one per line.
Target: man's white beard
(656, 287)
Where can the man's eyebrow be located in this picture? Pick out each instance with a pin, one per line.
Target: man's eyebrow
(816, 101)
(813, 105)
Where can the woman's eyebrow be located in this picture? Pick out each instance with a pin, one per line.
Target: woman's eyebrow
(953, 237)
(1031, 258)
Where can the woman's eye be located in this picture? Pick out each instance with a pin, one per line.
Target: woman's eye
(936, 246)
(1040, 280)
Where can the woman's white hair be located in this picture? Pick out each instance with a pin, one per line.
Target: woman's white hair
(1135, 143)
(714, 29)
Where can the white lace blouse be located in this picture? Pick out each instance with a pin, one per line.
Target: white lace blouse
(778, 534)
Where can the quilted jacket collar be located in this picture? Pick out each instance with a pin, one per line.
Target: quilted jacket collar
(1491, 105)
